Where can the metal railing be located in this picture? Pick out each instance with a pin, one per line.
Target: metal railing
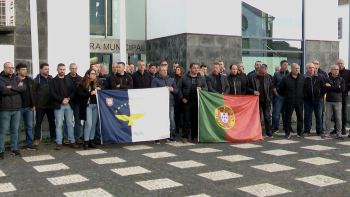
(7, 12)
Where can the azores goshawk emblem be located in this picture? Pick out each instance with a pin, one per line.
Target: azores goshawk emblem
(109, 102)
(132, 117)
(224, 117)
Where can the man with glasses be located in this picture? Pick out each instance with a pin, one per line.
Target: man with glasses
(335, 86)
(10, 88)
(318, 68)
(171, 73)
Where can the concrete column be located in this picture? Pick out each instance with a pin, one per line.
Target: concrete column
(34, 37)
(122, 31)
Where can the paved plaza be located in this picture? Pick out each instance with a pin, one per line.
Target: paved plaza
(275, 167)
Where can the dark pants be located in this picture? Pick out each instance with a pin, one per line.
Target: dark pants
(265, 108)
(190, 115)
(40, 113)
(316, 106)
(344, 114)
(289, 112)
(178, 111)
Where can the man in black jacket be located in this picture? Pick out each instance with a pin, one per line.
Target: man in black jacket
(141, 78)
(236, 83)
(318, 68)
(73, 75)
(43, 104)
(260, 84)
(188, 85)
(217, 82)
(241, 73)
(121, 80)
(256, 66)
(62, 90)
(10, 105)
(292, 87)
(313, 88)
(345, 74)
(335, 87)
(28, 105)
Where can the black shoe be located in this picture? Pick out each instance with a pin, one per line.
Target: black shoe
(91, 145)
(333, 132)
(275, 130)
(157, 142)
(177, 130)
(300, 136)
(306, 133)
(343, 132)
(2, 155)
(15, 153)
(340, 137)
(292, 131)
(287, 135)
(86, 145)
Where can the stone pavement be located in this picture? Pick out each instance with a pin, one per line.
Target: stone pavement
(275, 167)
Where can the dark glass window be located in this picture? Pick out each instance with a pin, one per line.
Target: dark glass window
(97, 17)
(340, 28)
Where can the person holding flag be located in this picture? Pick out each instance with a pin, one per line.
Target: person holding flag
(260, 84)
(188, 85)
(163, 80)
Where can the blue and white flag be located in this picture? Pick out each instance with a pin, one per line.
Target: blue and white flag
(134, 115)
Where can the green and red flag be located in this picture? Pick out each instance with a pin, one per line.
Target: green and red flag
(228, 118)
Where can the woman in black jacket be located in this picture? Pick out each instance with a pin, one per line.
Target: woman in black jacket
(87, 88)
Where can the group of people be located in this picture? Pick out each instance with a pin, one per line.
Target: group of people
(72, 97)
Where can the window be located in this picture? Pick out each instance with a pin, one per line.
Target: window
(270, 33)
(340, 28)
(97, 17)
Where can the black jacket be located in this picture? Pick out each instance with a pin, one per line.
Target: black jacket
(31, 91)
(245, 80)
(41, 85)
(75, 80)
(237, 85)
(211, 83)
(141, 81)
(253, 84)
(345, 74)
(55, 92)
(125, 81)
(334, 93)
(10, 98)
(185, 85)
(322, 72)
(313, 87)
(292, 89)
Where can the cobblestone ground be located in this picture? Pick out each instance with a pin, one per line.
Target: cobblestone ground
(279, 166)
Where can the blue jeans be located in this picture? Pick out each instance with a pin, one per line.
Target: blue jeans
(77, 124)
(9, 118)
(172, 121)
(66, 112)
(90, 122)
(310, 106)
(27, 115)
(97, 133)
(277, 110)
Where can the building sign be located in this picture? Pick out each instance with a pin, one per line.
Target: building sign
(100, 45)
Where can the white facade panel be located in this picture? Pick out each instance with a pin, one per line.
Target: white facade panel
(220, 17)
(343, 12)
(7, 55)
(166, 18)
(68, 34)
(321, 20)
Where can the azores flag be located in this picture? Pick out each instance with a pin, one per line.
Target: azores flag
(133, 115)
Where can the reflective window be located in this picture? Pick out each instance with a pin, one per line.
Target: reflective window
(272, 18)
(97, 17)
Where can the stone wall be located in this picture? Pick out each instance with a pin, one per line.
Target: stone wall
(199, 48)
(21, 37)
(326, 52)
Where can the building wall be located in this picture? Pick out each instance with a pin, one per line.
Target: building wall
(199, 48)
(21, 37)
(343, 12)
(326, 52)
(68, 34)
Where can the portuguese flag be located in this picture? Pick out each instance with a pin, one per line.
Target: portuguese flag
(228, 118)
